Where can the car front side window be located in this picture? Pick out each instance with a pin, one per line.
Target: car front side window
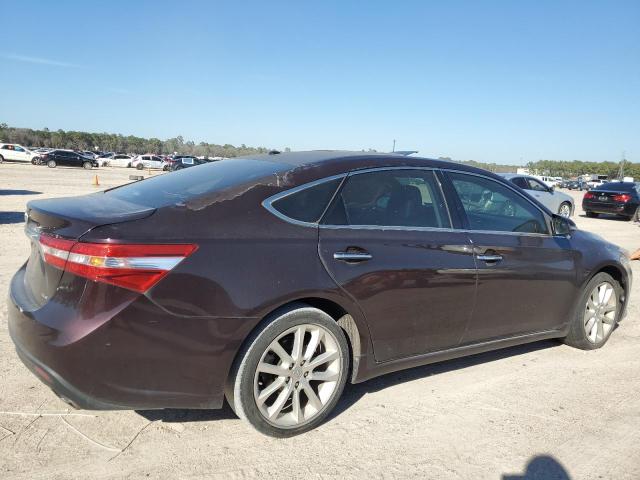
(491, 206)
(536, 185)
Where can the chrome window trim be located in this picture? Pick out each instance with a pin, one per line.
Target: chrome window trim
(267, 203)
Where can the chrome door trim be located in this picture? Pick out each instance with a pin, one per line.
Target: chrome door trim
(267, 204)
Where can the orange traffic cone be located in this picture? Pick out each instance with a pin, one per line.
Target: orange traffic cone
(96, 182)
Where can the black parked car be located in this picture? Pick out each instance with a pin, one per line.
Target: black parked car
(185, 161)
(617, 198)
(578, 185)
(67, 158)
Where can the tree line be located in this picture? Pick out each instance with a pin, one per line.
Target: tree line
(564, 168)
(110, 142)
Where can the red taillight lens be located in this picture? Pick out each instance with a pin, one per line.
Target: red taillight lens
(624, 198)
(136, 267)
(588, 195)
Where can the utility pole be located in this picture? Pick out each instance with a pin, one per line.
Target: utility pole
(621, 169)
(394, 146)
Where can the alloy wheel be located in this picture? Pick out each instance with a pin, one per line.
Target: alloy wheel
(600, 312)
(565, 210)
(297, 375)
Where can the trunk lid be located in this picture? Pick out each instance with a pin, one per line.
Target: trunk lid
(69, 218)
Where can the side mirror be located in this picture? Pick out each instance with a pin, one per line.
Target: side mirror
(562, 225)
(551, 189)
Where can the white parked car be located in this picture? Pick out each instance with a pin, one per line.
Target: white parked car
(548, 181)
(147, 161)
(118, 160)
(557, 202)
(16, 153)
(595, 183)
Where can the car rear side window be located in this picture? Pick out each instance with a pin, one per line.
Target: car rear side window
(491, 206)
(308, 204)
(406, 198)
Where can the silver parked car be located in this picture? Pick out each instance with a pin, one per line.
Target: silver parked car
(558, 202)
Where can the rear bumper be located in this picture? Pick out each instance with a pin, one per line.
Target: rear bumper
(627, 209)
(113, 349)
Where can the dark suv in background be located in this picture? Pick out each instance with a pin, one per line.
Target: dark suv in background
(273, 280)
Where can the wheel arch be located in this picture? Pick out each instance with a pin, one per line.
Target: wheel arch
(619, 274)
(357, 335)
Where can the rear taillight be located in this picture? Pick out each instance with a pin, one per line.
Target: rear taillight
(623, 198)
(137, 267)
(588, 195)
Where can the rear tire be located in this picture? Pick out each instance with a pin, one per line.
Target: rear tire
(271, 376)
(636, 216)
(51, 164)
(597, 314)
(591, 214)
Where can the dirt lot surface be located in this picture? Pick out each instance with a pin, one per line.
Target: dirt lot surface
(544, 410)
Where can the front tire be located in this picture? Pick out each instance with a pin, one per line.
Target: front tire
(51, 164)
(290, 373)
(564, 210)
(139, 166)
(597, 314)
(87, 165)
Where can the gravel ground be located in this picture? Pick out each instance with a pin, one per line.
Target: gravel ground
(543, 410)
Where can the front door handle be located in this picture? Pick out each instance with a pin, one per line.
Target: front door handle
(489, 258)
(352, 256)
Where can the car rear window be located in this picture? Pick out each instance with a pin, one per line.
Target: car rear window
(619, 186)
(183, 185)
(307, 204)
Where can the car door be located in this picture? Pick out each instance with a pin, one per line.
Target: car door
(526, 275)
(20, 154)
(387, 241)
(542, 193)
(62, 158)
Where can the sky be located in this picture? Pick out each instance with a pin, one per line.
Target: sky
(493, 81)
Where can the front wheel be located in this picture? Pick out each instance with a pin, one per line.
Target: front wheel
(290, 373)
(87, 165)
(51, 164)
(597, 314)
(1, 159)
(565, 209)
(139, 166)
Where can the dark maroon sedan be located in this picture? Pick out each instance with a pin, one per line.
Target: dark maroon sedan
(273, 280)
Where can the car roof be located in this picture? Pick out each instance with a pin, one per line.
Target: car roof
(331, 162)
(509, 176)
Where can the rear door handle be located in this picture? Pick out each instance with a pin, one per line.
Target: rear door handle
(352, 256)
(490, 258)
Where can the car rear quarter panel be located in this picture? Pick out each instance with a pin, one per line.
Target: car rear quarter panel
(248, 263)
